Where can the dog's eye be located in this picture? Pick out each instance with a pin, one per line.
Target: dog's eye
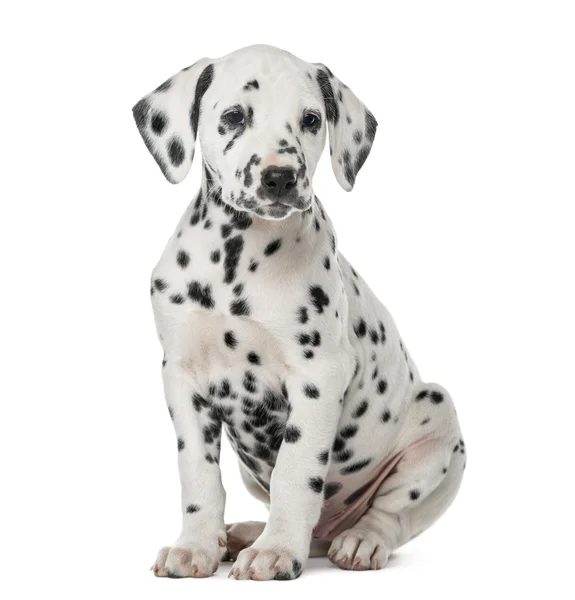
(309, 119)
(234, 116)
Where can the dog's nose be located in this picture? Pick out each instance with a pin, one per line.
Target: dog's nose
(279, 181)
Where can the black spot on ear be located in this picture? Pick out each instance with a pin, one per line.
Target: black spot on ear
(204, 82)
(357, 136)
(361, 158)
(176, 151)
(159, 123)
(347, 168)
(331, 107)
(164, 86)
(370, 125)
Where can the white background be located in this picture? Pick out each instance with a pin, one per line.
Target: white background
(461, 220)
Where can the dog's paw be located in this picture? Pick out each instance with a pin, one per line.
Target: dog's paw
(189, 559)
(266, 564)
(240, 536)
(358, 550)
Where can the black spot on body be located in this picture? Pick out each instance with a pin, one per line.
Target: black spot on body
(192, 508)
(316, 484)
(183, 259)
(230, 340)
(436, 397)
(181, 444)
(318, 298)
(240, 308)
(348, 432)
(253, 358)
(292, 434)
(272, 247)
(355, 467)
(360, 410)
(360, 328)
(414, 494)
(232, 249)
(201, 294)
(160, 284)
(331, 489)
(311, 391)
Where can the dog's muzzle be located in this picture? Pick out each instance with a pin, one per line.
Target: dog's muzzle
(279, 184)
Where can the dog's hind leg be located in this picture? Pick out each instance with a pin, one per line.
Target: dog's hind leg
(413, 496)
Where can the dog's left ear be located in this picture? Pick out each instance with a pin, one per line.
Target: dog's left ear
(350, 124)
(168, 118)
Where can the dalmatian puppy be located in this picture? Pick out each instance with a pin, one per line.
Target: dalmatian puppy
(270, 333)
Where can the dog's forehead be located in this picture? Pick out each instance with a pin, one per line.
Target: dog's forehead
(275, 73)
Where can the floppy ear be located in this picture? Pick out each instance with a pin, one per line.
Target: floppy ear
(351, 127)
(168, 118)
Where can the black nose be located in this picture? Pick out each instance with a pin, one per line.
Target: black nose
(278, 182)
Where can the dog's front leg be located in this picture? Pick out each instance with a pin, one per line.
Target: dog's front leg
(297, 480)
(202, 543)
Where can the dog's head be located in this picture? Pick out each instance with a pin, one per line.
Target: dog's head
(261, 115)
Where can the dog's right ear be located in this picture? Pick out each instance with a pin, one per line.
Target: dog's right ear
(168, 118)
